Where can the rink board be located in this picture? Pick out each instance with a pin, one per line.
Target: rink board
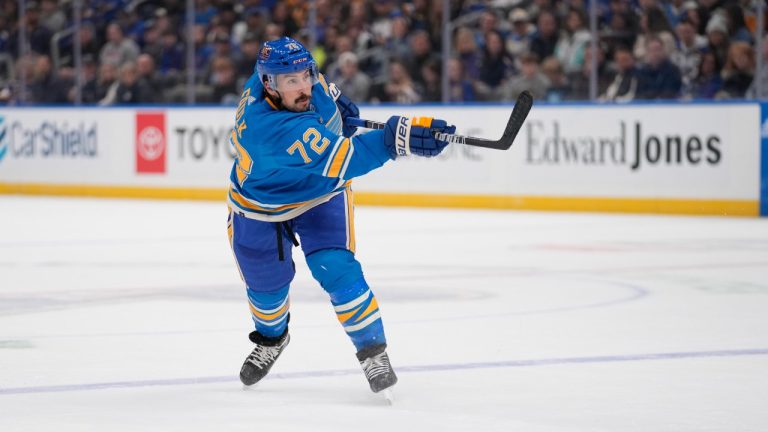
(658, 158)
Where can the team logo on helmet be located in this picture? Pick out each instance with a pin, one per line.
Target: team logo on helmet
(264, 53)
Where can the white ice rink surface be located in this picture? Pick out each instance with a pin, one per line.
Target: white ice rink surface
(120, 315)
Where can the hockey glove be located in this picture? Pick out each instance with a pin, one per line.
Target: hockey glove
(404, 136)
(347, 109)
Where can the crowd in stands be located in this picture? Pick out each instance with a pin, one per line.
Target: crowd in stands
(134, 51)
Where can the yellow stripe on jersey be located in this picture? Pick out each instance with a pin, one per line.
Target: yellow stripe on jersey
(338, 159)
(321, 78)
(249, 205)
(244, 161)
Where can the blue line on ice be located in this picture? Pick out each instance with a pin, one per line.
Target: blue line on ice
(402, 369)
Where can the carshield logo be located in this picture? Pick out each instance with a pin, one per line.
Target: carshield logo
(150, 143)
(3, 138)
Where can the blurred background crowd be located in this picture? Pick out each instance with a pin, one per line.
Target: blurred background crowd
(137, 51)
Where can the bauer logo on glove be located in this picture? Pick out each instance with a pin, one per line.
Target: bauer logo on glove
(405, 136)
(403, 132)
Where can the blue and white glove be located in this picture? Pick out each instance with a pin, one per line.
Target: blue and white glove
(347, 109)
(404, 136)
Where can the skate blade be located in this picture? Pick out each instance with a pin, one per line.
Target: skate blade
(389, 398)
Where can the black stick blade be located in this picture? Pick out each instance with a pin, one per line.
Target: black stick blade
(516, 119)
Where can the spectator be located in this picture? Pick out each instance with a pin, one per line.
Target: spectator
(371, 67)
(559, 88)
(717, 35)
(204, 11)
(621, 30)
(431, 90)
(118, 50)
(737, 27)
(653, 23)
(273, 31)
(282, 17)
(89, 42)
(665, 7)
(688, 54)
(249, 50)
(96, 89)
(203, 50)
(545, 39)
(46, 86)
(573, 41)
(130, 90)
(5, 35)
(497, 65)
(738, 72)
(51, 16)
(421, 53)
(255, 22)
(467, 53)
(460, 88)
(170, 58)
(708, 81)
(676, 11)
(489, 22)
(530, 79)
(752, 92)
(399, 87)
(519, 39)
(659, 78)
(353, 83)
(224, 81)
(397, 43)
(537, 7)
(90, 72)
(151, 79)
(580, 81)
(38, 36)
(696, 15)
(624, 85)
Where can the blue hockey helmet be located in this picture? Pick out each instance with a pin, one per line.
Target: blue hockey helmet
(284, 56)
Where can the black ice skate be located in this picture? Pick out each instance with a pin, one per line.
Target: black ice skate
(378, 370)
(261, 359)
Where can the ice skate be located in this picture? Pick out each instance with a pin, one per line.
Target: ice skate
(378, 370)
(261, 359)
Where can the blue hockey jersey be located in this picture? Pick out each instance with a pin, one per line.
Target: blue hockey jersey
(288, 162)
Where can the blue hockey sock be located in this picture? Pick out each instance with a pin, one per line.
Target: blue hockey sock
(269, 311)
(358, 312)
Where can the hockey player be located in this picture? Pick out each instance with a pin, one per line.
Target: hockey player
(295, 158)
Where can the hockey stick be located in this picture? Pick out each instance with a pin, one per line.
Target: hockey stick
(516, 119)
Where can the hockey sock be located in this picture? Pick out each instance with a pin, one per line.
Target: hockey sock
(269, 311)
(358, 312)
